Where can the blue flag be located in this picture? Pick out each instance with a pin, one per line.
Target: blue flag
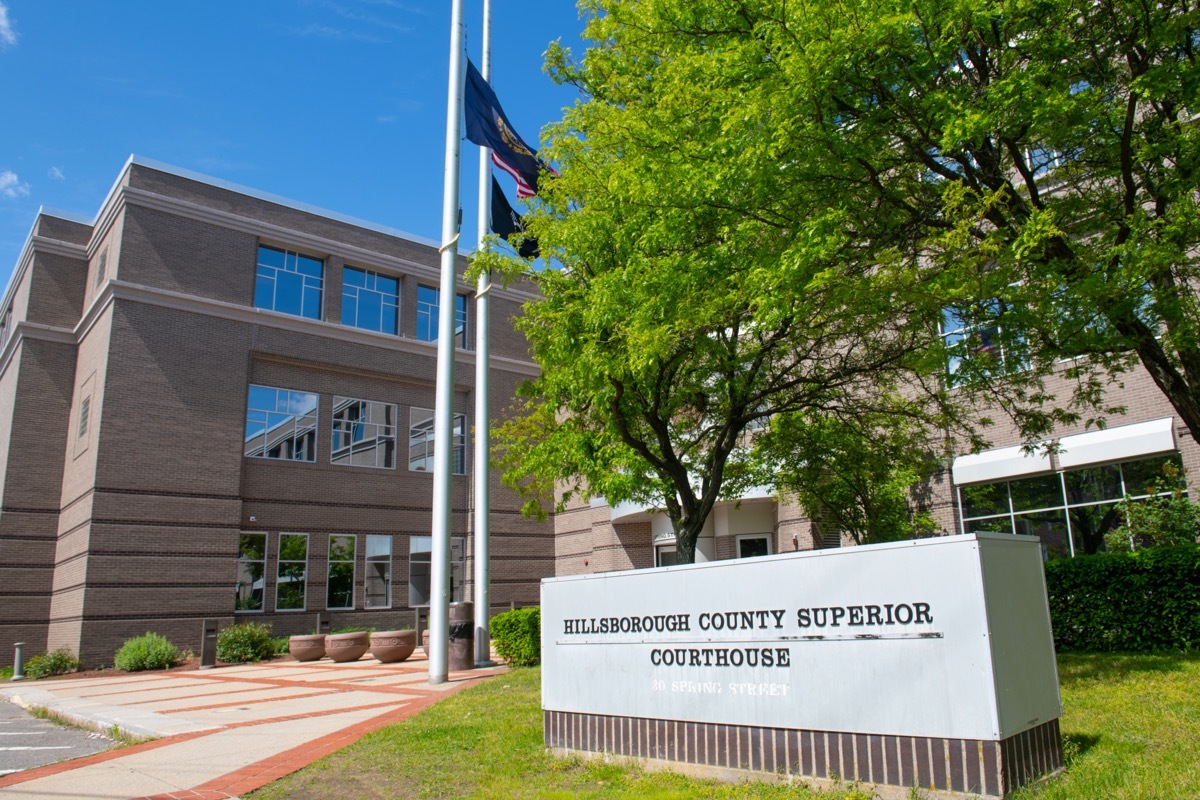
(488, 126)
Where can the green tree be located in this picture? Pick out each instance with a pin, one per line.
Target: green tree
(704, 289)
(858, 477)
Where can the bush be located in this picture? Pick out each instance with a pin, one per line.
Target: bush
(151, 651)
(1143, 601)
(518, 636)
(245, 642)
(56, 662)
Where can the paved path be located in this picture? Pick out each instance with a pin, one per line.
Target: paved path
(225, 731)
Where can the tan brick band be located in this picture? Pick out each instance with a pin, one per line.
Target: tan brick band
(967, 766)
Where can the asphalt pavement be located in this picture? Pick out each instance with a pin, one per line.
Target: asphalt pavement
(27, 742)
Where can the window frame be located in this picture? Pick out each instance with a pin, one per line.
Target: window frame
(745, 537)
(279, 562)
(457, 589)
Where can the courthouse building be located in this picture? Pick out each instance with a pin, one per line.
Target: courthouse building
(218, 404)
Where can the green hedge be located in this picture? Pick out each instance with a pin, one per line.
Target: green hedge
(244, 643)
(517, 635)
(1143, 601)
(151, 651)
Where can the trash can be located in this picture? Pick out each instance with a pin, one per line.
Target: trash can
(462, 636)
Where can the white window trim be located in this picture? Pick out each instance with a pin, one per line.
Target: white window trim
(390, 573)
(739, 538)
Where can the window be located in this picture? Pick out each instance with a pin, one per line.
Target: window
(101, 268)
(1069, 511)
(427, 316)
(288, 282)
(6, 326)
(292, 577)
(965, 338)
(421, 444)
(420, 556)
(340, 586)
(379, 572)
(665, 555)
(364, 433)
(752, 545)
(85, 407)
(252, 572)
(281, 424)
(369, 300)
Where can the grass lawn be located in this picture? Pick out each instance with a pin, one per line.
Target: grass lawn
(1131, 726)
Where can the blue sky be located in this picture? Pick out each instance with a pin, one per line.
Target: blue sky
(334, 103)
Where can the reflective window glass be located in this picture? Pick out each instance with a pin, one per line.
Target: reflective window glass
(1042, 491)
(984, 499)
(370, 301)
(288, 282)
(364, 433)
(752, 546)
(1050, 527)
(421, 441)
(427, 316)
(1093, 485)
(1147, 476)
(1089, 524)
(379, 572)
(340, 586)
(291, 585)
(420, 552)
(281, 424)
(252, 572)
(992, 525)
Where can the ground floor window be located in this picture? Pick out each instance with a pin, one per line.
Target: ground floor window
(753, 544)
(340, 585)
(252, 572)
(1069, 511)
(292, 576)
(420, 556)
(379, 572)
(665, 555)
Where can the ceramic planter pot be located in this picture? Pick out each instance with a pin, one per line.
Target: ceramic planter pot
(347, 646)
(307, 648)
(392, 646)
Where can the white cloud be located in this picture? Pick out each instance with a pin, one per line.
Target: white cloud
(8, 36)
(11, 186)
(56, 174)
(327, 32)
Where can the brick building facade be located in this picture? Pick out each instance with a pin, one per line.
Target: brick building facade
(215, 404)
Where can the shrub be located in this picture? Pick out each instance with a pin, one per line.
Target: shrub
(1143, 601)
(280, 645)
(56, 662)
(1164, 520)
(245, 642)
(518, 636)
(151, 651)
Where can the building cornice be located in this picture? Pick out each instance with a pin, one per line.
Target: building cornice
(122, 290)
(34, 331)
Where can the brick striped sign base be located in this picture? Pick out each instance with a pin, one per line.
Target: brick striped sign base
(970, 767)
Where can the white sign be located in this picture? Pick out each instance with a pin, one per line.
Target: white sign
(947, 637)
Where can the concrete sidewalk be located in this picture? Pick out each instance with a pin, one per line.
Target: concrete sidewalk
(225, 731)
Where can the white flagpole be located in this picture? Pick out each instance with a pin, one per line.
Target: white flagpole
(443, 426)
(483, 504)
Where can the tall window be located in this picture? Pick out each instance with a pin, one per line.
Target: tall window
(101, 267)
(364, 433)
(340, 586)
(421, 443)
(420, 553)
(292, 578)
(379, 572)
(252, 572)
(1069, 511)
(369, 300)
(427, 316)
(288, 282)
(281, 424)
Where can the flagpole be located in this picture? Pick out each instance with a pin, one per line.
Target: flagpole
(483, 504)
(443, 431)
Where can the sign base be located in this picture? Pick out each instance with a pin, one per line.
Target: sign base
(891, 764)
